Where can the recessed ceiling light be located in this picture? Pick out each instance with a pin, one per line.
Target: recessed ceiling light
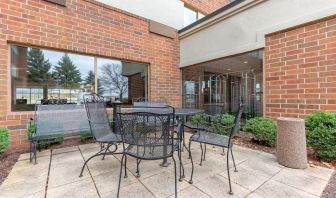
(245, 62)
(228, 69)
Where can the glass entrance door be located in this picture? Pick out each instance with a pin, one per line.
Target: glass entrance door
(220, 86)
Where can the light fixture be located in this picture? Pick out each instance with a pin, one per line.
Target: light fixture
(245, 62)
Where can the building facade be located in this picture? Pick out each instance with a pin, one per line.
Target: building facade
(39, 39)
(190, 53)
(278, 57)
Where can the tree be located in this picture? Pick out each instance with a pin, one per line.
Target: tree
(38, 69)
(90, 80)
(67, 73)
(113, 80)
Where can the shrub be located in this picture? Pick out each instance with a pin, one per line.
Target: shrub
(320, 119)
(84, 135)
(44, 143)
(321, 134)
(4, 140)
(222, 124)
(263, 129)
(200, 119)
(31, 130)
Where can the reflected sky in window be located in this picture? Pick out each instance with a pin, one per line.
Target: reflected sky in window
(82, 62)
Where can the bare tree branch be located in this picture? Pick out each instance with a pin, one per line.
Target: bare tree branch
(113, 80)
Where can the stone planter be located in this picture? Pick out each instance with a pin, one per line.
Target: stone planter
(291, 143)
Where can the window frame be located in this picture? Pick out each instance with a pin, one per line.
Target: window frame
(95, 70)
(195, 10)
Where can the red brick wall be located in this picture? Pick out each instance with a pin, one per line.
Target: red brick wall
(206, 6)
(300, 69)
(86, 27)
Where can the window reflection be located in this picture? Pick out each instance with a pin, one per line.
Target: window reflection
(225, 83)
(123, 81)
(48, 77)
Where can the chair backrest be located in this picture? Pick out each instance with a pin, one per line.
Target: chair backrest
(235, 126)
(60, 119)
(147, 130)
(150, 104)
(214, 109)
(98, 118)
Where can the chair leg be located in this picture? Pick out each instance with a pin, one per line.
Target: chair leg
(175, 180)
(234, 163)
(181, 165)
(121, 165)
(228, 171)
(107, 147)
(183, 139)
(201, 154)
(137, 171)
(180, 168)
(189, 152)
(95, 155)
(205, 149)
(192, 165)
(35, 148)
(125, 167)
(223, 151)
(30, 152)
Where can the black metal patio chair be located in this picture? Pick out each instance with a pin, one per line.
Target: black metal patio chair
(215, 139)
(100, 127)
(211, 110)
(143, 141)
(157, 106)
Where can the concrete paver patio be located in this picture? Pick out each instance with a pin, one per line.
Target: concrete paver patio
(259, 175)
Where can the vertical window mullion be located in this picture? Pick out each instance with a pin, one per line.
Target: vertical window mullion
(95, 68)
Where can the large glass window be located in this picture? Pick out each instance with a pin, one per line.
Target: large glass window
(47, 76)
(123, 81)
(190, 16)
(225, 83)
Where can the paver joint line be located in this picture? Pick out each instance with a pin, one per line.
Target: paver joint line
(89, 171)
(136, 178)
(265, 182)
(274, 180)
(295, 186)
(46, 187)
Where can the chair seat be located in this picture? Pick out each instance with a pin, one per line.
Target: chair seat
(111, 137)
(152, 152)
(211, 138)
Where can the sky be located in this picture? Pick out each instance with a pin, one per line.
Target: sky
(83, 63)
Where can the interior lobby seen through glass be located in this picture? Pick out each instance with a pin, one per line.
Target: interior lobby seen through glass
(221, 85)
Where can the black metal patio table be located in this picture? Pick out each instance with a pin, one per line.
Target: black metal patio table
(181, 113)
